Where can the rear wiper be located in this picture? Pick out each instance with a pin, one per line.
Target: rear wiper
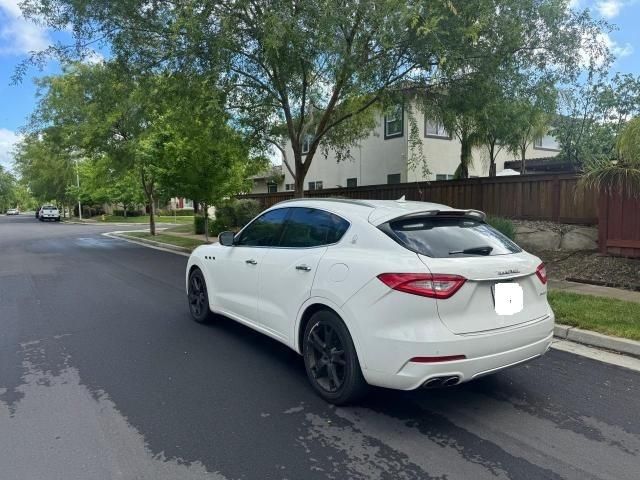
(482, 250)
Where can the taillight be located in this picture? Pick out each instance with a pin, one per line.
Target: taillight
(437, 285)
(541, 272)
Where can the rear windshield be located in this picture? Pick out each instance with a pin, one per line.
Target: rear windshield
(447, 237)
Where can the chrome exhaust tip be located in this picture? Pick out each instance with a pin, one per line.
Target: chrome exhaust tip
(451, 381)
(433, 382)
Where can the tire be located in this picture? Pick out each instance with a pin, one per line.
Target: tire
(335, 376)
(58, 219)
(198, 298)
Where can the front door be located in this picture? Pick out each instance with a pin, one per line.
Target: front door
(238, 267)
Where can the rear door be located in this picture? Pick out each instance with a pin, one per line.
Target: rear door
(469, 248)
(288, 271)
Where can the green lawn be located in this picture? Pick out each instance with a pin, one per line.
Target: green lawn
(182, 228)
(604, 315)
(144, 219)
(186, 242)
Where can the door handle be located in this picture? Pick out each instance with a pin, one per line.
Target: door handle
(304, 268)
(251, 261)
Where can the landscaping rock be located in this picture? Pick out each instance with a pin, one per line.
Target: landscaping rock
(539, 240)
(581, 238)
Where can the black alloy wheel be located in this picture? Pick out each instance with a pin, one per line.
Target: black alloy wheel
(330, 359)
(198, 298)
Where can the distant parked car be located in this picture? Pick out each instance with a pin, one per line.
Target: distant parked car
(13, 211)
(49, 212)
(390, 293)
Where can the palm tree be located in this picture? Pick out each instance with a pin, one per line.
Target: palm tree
(621, 175)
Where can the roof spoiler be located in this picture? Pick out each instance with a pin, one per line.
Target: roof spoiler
(477, 214)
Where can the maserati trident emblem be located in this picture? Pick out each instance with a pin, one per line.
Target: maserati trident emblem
(508, 272)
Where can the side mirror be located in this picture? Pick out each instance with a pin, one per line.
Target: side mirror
(226, 238)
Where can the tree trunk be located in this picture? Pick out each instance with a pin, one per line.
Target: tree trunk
(206, 222)
(492, 160)
(523, 154)
(465, 158)
(152, 214)
(196, 206)
(299, 184)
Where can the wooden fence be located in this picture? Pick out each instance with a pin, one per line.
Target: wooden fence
(619, 227)
(533, 197)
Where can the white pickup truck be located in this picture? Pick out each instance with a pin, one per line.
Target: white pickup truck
(49, 212)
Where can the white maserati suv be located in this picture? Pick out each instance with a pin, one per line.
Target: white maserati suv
(397, 294)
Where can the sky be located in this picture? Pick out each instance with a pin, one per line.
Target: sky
(19, 37)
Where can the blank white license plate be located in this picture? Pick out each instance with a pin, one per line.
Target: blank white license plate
(508, 298)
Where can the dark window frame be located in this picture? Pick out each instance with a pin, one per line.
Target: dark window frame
(354, 181)
(448, 136)
(306, 140)
(399, 134)
(547, 149)
(399, 176)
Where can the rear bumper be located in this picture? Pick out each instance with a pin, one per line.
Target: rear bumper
(486, 353)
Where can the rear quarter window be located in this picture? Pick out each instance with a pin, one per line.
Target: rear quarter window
(449, 237)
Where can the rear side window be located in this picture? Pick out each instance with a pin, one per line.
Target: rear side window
(449, 237)
(264, 231)
(308, 227)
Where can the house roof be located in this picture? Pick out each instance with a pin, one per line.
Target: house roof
(272, 172)
(543, 164)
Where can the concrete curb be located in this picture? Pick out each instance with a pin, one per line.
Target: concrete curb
(594, 339)
(145, 242)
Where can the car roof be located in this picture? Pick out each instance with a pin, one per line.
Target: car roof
(376, 212)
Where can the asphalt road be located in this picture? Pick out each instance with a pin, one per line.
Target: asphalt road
(104, 376)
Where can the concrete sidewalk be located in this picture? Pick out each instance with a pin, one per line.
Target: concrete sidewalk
(595, 290)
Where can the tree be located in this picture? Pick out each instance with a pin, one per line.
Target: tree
(317, 68)
(43, 166)
(617, 176)
(593, 114)
(7, 190)
(102, 110)
(207, 159)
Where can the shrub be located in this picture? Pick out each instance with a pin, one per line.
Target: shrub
(130, 213)
(235, 214)
(216, 227)
(503, 225)
(167, 212)
(198, 224)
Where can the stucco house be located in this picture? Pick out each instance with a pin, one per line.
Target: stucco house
(381, 158)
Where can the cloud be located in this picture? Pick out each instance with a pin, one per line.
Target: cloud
(611, 8)
(93, 58)
(8, 140)
(617, 49)
(18, 35)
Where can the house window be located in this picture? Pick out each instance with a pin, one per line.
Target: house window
(352, 182)
(435, 128)
(306, 143)
(393, 122)
(444, 176)
(272, 187)
(289, 187)
(393, 178)
(548, 142)
(317, 185)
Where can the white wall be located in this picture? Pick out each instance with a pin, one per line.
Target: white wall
(372, 161)
(376, 158)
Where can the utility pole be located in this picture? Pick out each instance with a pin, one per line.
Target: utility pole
(78, 185)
